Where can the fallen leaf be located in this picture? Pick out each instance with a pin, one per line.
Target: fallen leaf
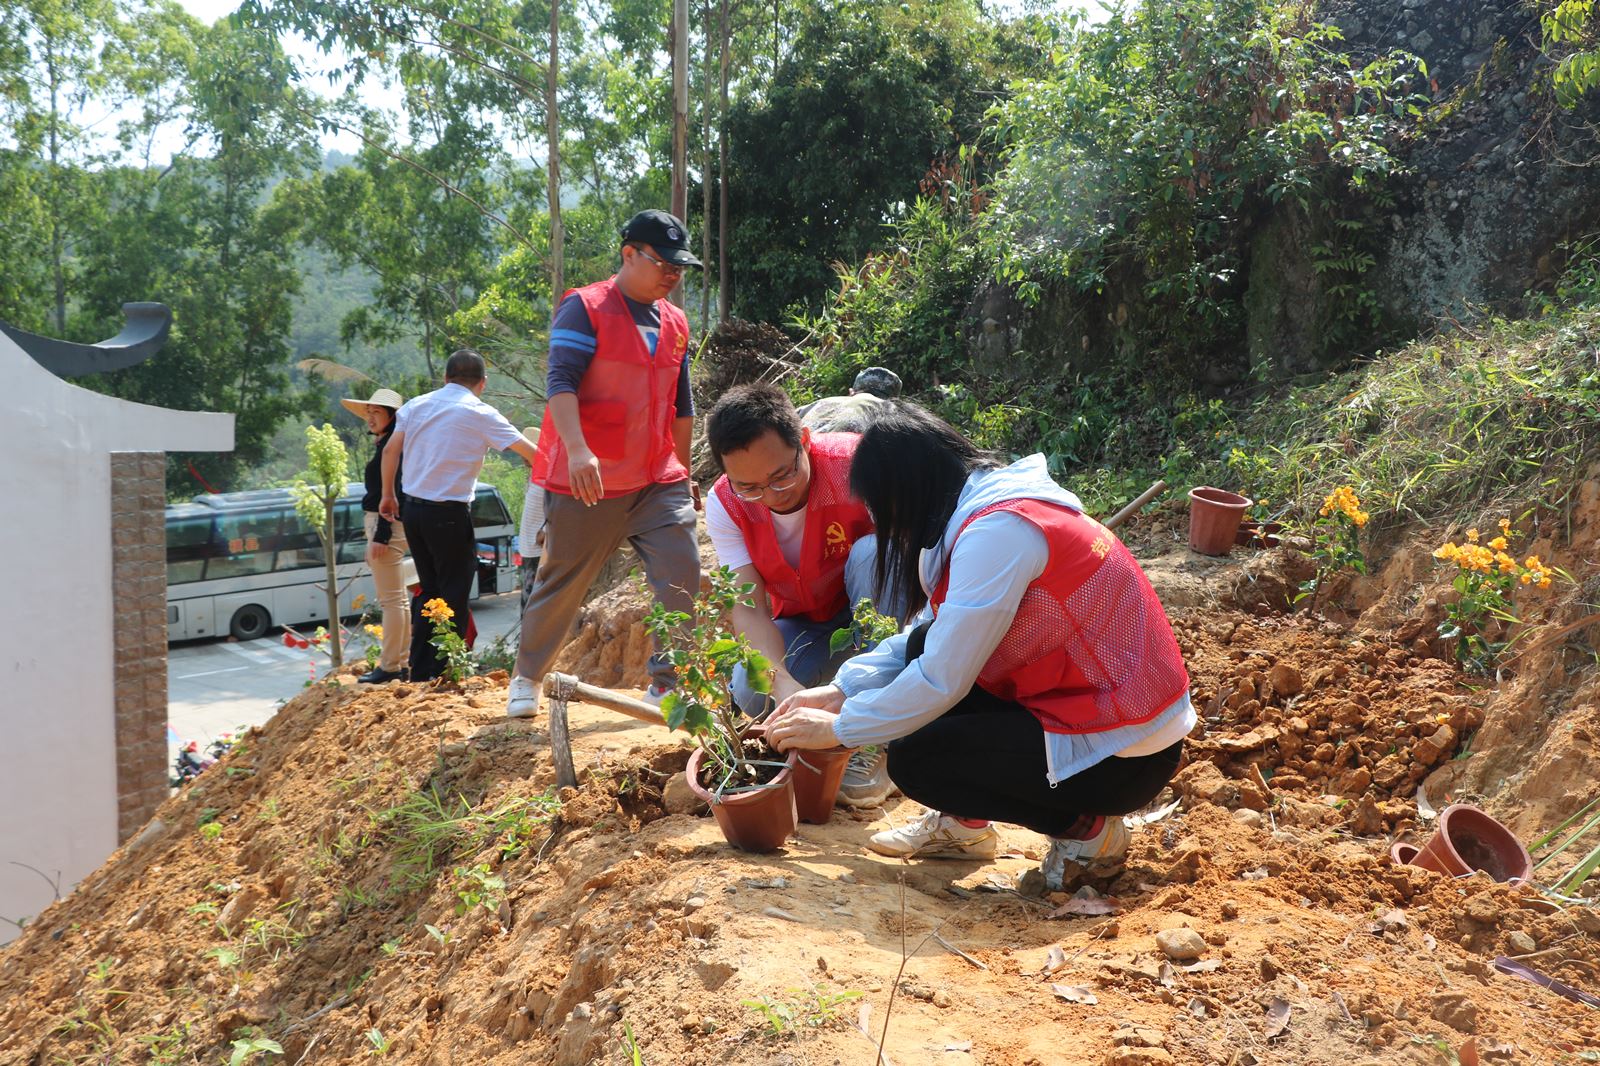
(1075, 994)
(1086, 907)
(1338, 1001)
(1277, 1017)
(1168, 976)
(1425, 810)
(1468, 1055)
(1054, 959)
(1197, 1007)
(1155, 815)
(965, 1045)
(1204, 966)
(1428, 941)
(1258, 874)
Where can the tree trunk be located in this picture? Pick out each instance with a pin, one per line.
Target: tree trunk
(56, 242)
(724, 289)
(330, 552)
(552, 133)
(680, 107)
(705, 177)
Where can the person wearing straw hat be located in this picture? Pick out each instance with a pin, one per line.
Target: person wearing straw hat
(386, 540)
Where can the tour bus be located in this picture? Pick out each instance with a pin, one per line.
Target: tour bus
(240, 563)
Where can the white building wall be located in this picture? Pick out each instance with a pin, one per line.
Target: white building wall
(58, 788)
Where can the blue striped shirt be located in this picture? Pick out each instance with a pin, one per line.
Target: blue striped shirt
(572, 344)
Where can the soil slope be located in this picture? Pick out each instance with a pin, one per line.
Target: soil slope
(372, 874)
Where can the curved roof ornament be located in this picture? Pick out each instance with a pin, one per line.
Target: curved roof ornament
(144, 332)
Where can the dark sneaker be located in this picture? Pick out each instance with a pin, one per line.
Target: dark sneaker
(379, 676)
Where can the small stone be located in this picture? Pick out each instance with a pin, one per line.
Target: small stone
(1181, 945)
(1393, 921)
(1520, 943)
(1456, 1011)
(1138, 1056)
(583, 1010)
(1131, 1035)
(1270, 967)
(694, 903)
(941, 998)
(1246, 817)
(1230, 910)
(1286, 680)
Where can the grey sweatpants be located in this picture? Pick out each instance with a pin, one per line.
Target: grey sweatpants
(657, 520)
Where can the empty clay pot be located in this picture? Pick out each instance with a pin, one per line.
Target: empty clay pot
(1402, 853)
(816, 782)
(1467, 839)
(1214, 517)
(759, 820)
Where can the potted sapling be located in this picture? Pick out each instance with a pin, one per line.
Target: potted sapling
(749, 787)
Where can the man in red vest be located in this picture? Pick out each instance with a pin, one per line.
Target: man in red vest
(613, 456)
(782, 518)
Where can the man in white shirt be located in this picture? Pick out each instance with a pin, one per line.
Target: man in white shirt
(444, 435)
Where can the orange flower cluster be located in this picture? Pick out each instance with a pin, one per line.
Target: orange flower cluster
(1345, 501)
(1492, 557)
(436, 610)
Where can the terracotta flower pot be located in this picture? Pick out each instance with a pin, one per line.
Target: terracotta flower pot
(816, 782)
(1401, 853)
(1468, 839)
(1214, 517)
(758, 820)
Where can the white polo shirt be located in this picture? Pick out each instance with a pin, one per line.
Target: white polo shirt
(447, 432)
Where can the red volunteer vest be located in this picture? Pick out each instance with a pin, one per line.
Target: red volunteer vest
(627, 400)
(1090, 648)
(835, 520)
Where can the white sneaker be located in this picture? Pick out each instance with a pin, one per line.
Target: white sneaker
(936, 836)
(1104, 848)
(654, 694)
(523, 700)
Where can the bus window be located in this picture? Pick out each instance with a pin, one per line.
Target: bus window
(488, 509)
(188, 538)
(300, 547)
(351, 532)
(245, 544)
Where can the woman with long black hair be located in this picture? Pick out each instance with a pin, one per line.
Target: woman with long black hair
(1039, 684)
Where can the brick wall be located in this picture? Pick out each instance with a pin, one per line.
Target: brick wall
(139, 600)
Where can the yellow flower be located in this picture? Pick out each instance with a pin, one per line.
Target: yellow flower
(436, 610)
(1263, 503)
(1527, 577)
(1507, 564)
(1472, 535)
(1544, 582)
(1446, 551)
(1532, 563)
(1505, 526)
(359, 602)
(375, 631)
(1498, 544)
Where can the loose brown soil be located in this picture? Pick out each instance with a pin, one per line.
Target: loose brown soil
(300, 921)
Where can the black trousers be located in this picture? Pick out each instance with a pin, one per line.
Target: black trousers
(445, 551)
(985, 758)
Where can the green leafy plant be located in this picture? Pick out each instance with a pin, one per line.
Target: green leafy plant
(226, 958)
(811, 1007)
(1335, 540)
(1486, 576)
(704, 653)
(868, 628)
(380, 1043)
(245, 1050)
(630, 1045)
(211, 832)
(166, 1049)
(452, 646)
(316, 495)
(478, 887)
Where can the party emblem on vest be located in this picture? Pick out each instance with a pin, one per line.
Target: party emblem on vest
(1100, 547)
(682, 345)
(837, 543)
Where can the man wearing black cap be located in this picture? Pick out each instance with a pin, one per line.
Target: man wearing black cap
(613, 454)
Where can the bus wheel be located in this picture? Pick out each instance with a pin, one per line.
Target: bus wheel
(249, 622)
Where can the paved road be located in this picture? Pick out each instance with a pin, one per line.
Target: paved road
(217, 686)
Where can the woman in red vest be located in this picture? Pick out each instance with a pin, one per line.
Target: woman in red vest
(1040, 683)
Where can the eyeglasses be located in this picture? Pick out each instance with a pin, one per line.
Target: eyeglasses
(786, 480)
(661, 264)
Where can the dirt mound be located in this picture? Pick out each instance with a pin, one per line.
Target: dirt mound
(738, 352)
(387, 871)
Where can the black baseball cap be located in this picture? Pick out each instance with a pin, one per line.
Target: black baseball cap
(664, 233)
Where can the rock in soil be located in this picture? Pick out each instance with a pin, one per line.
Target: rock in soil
(1181, 945)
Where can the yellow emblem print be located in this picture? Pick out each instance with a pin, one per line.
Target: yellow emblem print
(836, 539)
(1100, 547)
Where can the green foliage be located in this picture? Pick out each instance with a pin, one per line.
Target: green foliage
(1486, 576)
(452, 646)
(246, 1050)
(811, 1007)
(869, 94)
(380, 1043)
(429, 826)
(1139, 162)
(899, 308)
(316, 494)
(867, 629)
(478, 886)
(704, 650)
(1569, 28)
